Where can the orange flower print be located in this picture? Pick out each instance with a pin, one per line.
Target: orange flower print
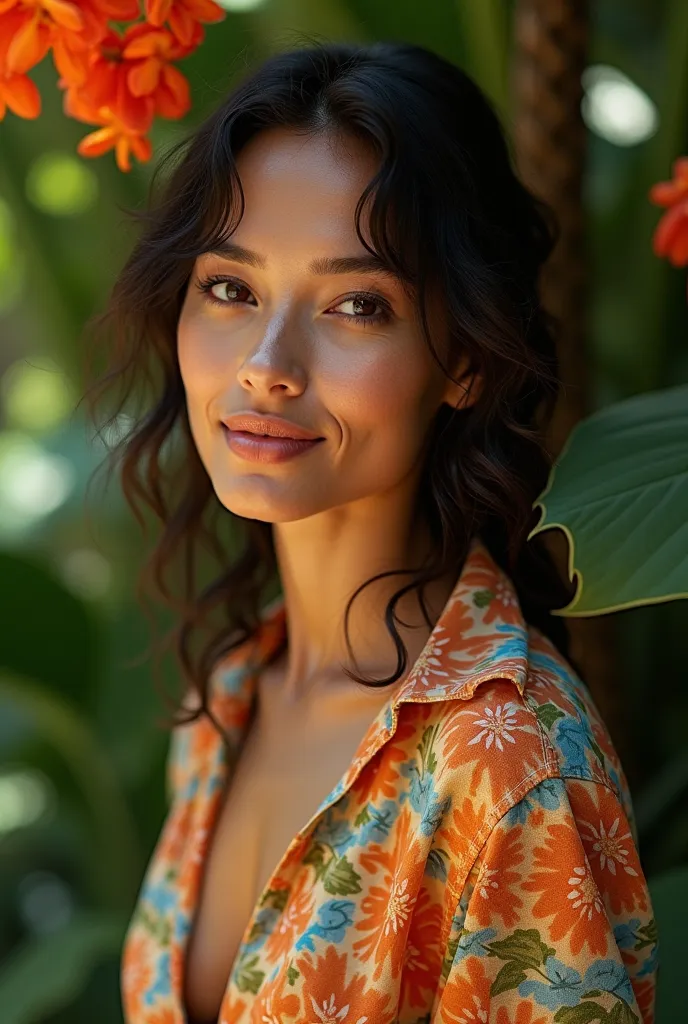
(610, 848)
(389, 907)
(523, 1014)
(164, 1016)
(380, 776)
(491, 592)
(466, 996)
(485, 733)
(423, 954)
(328, 998)
(272, 1004)
(464, 823)
(136, 972)
(232, 1010)
(494, 893)
(294, 919)
(569, 893)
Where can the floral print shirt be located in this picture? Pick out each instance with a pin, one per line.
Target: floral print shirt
(476, 863)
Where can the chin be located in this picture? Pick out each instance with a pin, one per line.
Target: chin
(253, 502)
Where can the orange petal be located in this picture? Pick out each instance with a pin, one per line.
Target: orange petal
(143, 78)
(71, 65)
(157, 11)
(205, 10)
(3, 105)
(669, 231)
(173, 98)
(29, 46)
(145, 45)
(141, 147)
(122, 153)
(185, 27)
(22, 96)
(97, 143)
(120, 10)
(5, 5)
(135, 112)
(64, 14)
(665, 193)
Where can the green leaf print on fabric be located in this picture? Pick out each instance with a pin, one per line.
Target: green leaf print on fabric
(482, 598)
(247, 979)
(427, 755)
(547, 714)
(523, 947)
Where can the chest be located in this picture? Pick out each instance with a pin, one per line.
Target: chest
(288, 765)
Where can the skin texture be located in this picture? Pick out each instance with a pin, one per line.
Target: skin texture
(281, 343)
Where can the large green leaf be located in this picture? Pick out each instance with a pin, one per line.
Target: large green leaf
(669, 894)
(619, 491)
(48, 973)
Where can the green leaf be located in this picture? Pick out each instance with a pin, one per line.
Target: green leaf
(248, 979)
(510, 976)
(581, 1014)
(316, 856)
(621, 1013)
(340, 878)
(363, 817)
(523, 946)
(292, 975)
(482, 598)
(648, 935)
(619, 490)
(547, 714)
(276, 898)
(47, 974)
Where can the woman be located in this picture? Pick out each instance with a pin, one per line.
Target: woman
(393, 800)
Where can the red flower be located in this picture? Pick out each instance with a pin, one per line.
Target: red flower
(671, 235)
(153, 74)
(183, 17)
(17, 91)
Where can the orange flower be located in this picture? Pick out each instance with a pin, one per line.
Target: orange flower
(183, 16)
(293, 920)
(32, 37)
(119, 137)
(568, 892)
(105, 84)
(670, 239)
(153, 74)
(466, 995)
(17, 91)
(422, 954)
(328, 996)
(389, 907)
(523, 1015)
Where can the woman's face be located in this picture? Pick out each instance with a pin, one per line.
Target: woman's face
(280, 337)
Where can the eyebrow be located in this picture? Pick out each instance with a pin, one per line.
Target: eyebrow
(322, 265)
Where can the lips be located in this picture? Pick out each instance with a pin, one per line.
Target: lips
(268, 426)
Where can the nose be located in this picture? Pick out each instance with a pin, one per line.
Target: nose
(276, 362)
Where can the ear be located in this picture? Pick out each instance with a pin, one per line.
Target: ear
(465, 389)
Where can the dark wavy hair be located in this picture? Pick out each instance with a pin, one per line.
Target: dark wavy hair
(447, 211)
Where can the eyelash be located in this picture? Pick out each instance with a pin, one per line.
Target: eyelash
(205, 285)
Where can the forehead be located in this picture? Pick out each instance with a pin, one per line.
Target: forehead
(297, 186)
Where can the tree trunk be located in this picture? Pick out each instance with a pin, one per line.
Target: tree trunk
(551, 40)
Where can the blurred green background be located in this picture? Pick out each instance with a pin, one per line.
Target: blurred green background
(82, 793)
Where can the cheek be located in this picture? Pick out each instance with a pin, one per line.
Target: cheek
(386, 402)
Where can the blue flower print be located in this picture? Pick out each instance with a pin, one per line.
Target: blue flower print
(547, 794)
(334, 917)
(379, 823)
(565, 986)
